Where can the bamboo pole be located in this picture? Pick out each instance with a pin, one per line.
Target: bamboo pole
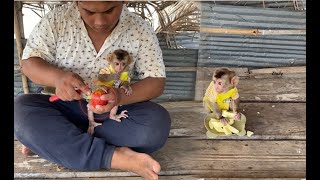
(19, 49)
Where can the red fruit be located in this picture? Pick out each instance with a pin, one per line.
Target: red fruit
(95, 98)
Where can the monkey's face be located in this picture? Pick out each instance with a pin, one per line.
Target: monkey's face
(119, 66)
(100, 16)
(220, 85)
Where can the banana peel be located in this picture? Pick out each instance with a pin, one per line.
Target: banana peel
(215, 128)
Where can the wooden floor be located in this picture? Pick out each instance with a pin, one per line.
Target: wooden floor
(276, 112)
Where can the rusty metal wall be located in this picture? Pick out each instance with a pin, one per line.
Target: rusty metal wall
(255, 51)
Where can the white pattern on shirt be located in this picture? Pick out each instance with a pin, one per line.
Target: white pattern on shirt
(61, 39)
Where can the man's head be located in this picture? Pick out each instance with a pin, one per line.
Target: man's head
(100, 16)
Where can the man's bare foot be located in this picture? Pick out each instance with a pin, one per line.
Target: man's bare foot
(140, 163)
(26, 151)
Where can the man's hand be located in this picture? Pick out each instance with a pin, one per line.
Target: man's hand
(112, 97)
(67, 85)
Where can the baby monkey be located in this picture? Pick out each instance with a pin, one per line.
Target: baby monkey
(222, 94)
(116, 75)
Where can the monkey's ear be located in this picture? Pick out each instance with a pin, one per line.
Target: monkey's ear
(129, 60)
(235, 81)
(109, 57)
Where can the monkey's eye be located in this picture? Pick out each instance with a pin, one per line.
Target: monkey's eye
(219, 83)
(123, 64)
(117, 64)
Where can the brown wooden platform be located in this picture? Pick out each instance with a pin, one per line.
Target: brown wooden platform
(276, 112)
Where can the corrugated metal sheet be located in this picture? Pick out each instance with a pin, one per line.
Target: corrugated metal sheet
(251, 50)
(290, 5)
(180, 40)
(251, 17)
(17, 77)
(179, 86)
(180, 57)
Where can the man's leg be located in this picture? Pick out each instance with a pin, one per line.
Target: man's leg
(55, 138)
(145, 130)
(55, 131)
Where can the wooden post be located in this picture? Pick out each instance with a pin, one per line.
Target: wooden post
(19, 48)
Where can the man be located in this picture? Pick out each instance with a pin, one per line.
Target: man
(66, 49)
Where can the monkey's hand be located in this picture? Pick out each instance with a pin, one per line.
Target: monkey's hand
(127, 89)
(119, 116)
(224, 121)
(237, 116)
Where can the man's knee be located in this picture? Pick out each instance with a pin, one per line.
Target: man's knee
(19, 108)
(24, 107)
(150, 140)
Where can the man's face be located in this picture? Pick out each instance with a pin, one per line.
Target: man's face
(100, 16)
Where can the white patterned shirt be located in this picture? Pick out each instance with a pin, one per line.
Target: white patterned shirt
(61, 39)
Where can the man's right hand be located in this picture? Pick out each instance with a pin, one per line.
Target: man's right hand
(67, 84)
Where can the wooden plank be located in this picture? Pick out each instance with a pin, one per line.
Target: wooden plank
(216, 158)
(168, 69)
(277, 121)
(263, 86)
(252, 31)
(170, 178)
(266, 120)
(284, 70)
(204, 158)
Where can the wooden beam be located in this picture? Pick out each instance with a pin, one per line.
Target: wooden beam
(252, 31)
(19, 47)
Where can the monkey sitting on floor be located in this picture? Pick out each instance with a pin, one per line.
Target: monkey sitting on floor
(222, 94)
(115, 75)
(220, 97)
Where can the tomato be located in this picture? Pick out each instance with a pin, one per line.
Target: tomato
(95, 98)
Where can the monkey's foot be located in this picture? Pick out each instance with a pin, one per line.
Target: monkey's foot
(119, 116)
(224, 121)
(91, 127)
(237, 116)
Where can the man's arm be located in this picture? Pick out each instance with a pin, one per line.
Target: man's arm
(41, 72)
(143, 90)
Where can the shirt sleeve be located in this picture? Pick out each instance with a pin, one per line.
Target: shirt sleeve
(150, 61)
(41, 42)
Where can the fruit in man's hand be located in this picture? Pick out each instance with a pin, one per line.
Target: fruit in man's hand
(95, 98)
